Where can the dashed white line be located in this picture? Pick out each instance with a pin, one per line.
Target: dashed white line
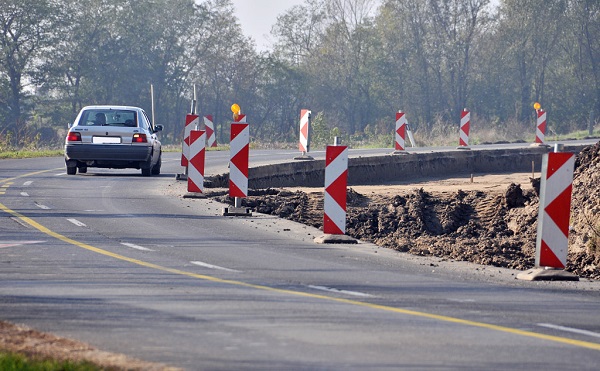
(134, 246)
(24, 194)
(43, 207)
(206, 265)
(28, 183)
(570, 329)
(17, 243)
(60, 174)
(332, 289)
(77, 222)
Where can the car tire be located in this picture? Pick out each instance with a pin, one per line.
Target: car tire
(156, 167)
(71, 170)
(146, 171)
(83, 170)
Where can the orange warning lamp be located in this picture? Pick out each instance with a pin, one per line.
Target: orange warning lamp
(235, 108)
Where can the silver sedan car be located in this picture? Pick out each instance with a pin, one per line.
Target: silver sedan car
(116, 137)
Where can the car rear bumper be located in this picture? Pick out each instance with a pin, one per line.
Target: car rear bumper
(107, 155)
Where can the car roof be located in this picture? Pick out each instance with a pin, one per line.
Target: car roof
(111, 107)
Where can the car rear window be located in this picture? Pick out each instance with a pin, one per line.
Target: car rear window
(107, 117)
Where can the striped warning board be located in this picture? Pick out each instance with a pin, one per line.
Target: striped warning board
(555, 209)
(336, 178)
(191, 123)
(196, 163)
(540, 131)
(400, 137)
(465, 125)
(304, 144)
(211, 138)
(239, 153)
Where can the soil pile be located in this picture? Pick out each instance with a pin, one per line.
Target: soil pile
(495, 228)
(584, 235)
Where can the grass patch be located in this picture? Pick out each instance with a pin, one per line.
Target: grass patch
(31, 153)
(19, 362)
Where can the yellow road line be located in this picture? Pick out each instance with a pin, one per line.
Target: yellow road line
(28, 174)
(557, 339)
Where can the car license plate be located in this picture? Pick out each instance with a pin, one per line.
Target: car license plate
(105, 140)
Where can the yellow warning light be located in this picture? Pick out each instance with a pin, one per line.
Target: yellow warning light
(537, 106)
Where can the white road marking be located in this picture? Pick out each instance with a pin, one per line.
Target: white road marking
(28, 183)
(570, 329)
(77, 222)
(24, 194)
(60, 174)
(462, 300)
(206, 265)
(134, 246)
(17, 243)
(43, 207)
(331, 289)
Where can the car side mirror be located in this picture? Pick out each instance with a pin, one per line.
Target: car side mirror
(158, 128)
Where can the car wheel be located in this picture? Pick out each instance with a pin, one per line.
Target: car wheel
(156, 167)
(71, 170)
(146, 171)
(83, 170)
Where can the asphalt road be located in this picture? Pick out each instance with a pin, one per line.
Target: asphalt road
(126, 264)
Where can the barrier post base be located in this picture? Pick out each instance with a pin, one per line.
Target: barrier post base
(181, 177)
(463, 147)
(236, 211)
(194, 195)
(547, 274)
(540, 145)
(304, 156)
(397, 152)
(335, 238)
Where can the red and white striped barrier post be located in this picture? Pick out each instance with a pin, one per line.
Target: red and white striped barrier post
(540, 127)
(191, 123)
(555, 209)
(553, 219)
(465, 124)
(400, 133)
(336, 179)
(304, 142)
(238, 165)
(211, 139)
(197, 154)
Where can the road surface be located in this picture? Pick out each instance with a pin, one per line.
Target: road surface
(124, 263)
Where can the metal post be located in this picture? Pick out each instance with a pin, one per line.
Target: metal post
(559, 147)
(336, 141)
(152, 102)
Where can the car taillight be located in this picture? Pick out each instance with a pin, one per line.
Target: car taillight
(74, 137)
(139, 138)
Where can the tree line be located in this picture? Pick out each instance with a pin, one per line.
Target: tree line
(355, 62)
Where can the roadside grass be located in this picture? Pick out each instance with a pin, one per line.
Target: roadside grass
(442, 136)
(30, 153)
(19, 362)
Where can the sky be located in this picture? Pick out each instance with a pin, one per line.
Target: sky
(258, 16)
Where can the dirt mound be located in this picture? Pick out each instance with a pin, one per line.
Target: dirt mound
(494, 227)
(584, 235)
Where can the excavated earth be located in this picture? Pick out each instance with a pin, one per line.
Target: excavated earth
(496, 228)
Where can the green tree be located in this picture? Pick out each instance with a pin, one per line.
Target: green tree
(26, 31)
